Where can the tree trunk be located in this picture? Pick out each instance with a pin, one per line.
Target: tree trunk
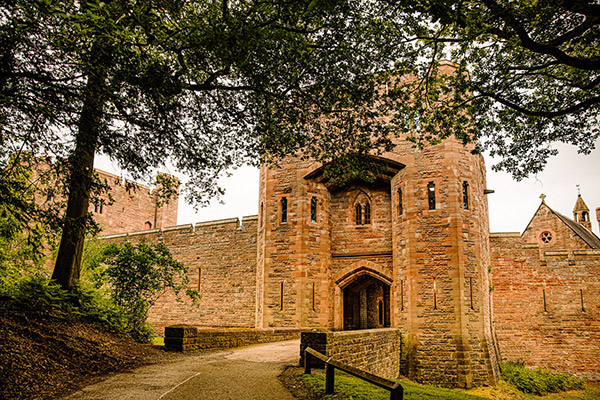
(81, 166)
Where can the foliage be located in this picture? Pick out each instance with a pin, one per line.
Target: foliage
(209, 85)
(24, 231)
(538, 381)
(135, 276)
(527, 73)
(84, 301)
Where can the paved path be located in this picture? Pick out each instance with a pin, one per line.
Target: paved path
(245, 373)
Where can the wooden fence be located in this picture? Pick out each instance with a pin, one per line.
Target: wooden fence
(396, 390)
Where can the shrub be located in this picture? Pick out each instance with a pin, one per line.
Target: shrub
(84, 301)
(538, 381)
(135, 276)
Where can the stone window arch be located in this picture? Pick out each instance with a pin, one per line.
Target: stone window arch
(362, 209)
(585, 217)
(147, 225)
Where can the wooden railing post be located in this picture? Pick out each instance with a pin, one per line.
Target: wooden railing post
(329, 377)
(397, 392)
(307, 366)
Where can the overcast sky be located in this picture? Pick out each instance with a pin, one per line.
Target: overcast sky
(511, 206)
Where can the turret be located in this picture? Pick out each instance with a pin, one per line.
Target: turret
(581, 213)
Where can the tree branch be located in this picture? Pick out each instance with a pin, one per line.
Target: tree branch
(530, 44)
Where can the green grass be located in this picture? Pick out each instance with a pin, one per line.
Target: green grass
(158, 340)
(349, 387)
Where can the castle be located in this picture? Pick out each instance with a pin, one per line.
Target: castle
(409, 253)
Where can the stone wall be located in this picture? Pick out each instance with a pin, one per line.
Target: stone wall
(221, 258)
(373, 350)
(547, 305)
(186, 338)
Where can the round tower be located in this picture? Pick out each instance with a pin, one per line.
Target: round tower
(441, 261)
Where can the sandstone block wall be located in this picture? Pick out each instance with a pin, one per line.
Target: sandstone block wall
(186, 338)
(221, 258)
(547, 305)
(373, 350)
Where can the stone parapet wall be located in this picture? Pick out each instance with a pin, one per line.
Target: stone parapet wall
(376, 351)
(186, 338)
(547, 306)
(221, 259)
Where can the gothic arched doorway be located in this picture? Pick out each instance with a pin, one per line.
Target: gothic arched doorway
(366, 303)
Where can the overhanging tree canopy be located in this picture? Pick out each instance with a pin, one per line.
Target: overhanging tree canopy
(209, 85)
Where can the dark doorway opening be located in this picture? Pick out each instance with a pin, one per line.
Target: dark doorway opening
(366, 304)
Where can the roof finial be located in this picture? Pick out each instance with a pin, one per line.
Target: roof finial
(543, 197)
(578, 189)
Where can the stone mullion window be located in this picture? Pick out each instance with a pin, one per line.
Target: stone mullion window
(367, 214)
(358, 214)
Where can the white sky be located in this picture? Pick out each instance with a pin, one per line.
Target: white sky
(511, 206)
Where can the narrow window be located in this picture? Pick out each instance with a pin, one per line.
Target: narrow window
(313, 209)
(434, 296)
(313, 297)
(400, 210)
(471, 291)
(402, 295)
(584, 216)
(406, 122)
(417, 121)
(283, 209)
(465, 190)
(95, 207)
(544, 295)
(262, 215)
(581, 295)
(281, 296)
(431, 195)
(101, 204)
(367, 213)
(380, 309)
(358, 210)
(199, 277)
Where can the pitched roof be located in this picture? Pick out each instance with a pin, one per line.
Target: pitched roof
(586, 235)
(580, 205)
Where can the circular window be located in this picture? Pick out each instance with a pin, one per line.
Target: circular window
(546, 237)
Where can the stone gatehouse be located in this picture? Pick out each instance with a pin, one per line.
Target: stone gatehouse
(410, 251)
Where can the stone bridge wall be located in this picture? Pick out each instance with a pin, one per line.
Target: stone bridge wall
(376, 351)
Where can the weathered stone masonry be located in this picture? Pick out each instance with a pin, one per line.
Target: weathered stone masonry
(221, 257)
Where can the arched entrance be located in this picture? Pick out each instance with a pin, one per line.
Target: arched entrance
(366, 302)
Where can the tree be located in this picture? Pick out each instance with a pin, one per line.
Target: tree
(208, 85)
(528, 74)
(204, 85)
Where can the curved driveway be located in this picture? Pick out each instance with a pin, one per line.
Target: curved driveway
(244, 373)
